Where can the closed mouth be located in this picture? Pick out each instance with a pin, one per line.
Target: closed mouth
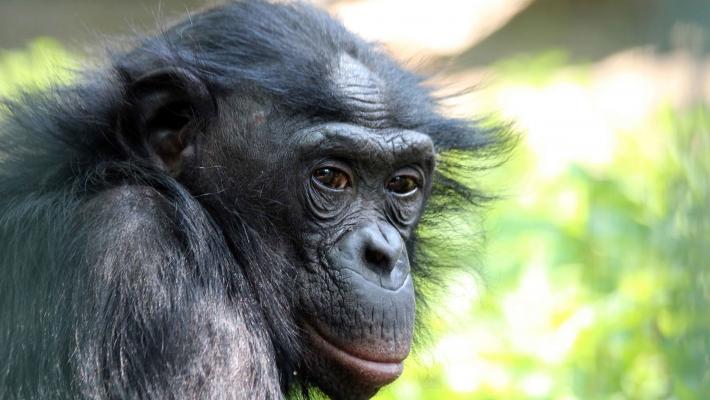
(374, 373)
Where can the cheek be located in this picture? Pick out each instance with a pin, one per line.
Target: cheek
(404, 214)
(322, 205)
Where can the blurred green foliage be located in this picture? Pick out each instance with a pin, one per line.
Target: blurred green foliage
(598, 278)
(597, 283)
(42, 63)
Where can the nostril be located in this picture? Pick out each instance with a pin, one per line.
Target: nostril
(378, 259)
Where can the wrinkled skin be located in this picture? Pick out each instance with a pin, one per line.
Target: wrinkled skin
(359, 299)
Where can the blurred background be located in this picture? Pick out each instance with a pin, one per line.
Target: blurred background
(594, 278)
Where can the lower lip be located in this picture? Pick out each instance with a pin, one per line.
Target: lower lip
(374, 373)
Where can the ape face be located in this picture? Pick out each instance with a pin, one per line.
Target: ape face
(362, 192)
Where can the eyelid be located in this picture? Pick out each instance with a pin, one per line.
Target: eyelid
(409, 170)
(333, 163)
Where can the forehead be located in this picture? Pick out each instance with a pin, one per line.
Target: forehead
(360, 91)
(366, 133)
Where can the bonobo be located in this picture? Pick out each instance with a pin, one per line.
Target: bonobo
(226, 210)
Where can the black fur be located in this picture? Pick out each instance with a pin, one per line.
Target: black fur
(117, 281)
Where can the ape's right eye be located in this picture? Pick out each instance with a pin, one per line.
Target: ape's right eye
(332, 178)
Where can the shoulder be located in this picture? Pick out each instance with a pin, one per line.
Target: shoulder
(127, 209)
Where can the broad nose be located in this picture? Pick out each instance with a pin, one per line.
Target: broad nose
(381, 247)
(374, 251)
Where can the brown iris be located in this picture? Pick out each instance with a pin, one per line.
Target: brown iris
(332, 178)
(403, 184)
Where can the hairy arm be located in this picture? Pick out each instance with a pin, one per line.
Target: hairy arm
(152, 325)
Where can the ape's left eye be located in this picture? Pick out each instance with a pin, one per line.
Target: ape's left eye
(403, 185)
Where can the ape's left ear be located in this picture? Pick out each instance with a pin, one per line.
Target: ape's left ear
(163, 113)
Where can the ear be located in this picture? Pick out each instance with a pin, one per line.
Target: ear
(164, 112)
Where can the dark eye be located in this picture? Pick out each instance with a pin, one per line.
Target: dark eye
(332, 178)
(403, 185)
